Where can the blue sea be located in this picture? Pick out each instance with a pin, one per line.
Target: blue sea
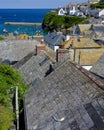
(22, 15)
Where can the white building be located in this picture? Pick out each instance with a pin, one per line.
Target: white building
(61, 12)
(73, 10)
(101, 13)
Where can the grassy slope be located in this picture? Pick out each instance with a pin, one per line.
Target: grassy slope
(53, 20)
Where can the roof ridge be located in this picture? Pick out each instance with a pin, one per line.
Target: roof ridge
(89, 75)
(23, 60)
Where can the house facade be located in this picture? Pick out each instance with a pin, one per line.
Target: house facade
(61, 12)
(54, 40)
(101, 13)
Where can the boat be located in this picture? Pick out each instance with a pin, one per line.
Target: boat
(4, 30)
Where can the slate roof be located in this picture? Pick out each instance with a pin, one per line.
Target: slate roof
(93, 12)
(85, 117)
(24, 60)
(15, 50)
(75, 30)
(100, 41)
(99, 28)
(35, 68)
(54, 39)
(52, 104)
(98, 67)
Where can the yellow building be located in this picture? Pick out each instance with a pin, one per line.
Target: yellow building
(23, 37)
(84, 51)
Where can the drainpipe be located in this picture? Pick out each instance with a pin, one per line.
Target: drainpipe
(57, 55)
(74, 54)
(17, 108)
(79, 58)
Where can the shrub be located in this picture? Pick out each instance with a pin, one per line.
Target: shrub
(9, 79)
(1, 38)
(5, 118)
(99, 5)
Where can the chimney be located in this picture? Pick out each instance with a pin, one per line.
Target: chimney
(42, 41)
(40, 47)
(62, 55)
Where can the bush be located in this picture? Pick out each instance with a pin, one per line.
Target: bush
(1, 38)
(5, 118)
(99, 5)
(9, 79)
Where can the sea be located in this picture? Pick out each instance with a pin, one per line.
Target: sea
(22, 15)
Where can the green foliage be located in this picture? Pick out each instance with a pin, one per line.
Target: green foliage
(53, 20)
(5, 118)
(9, 79)
(99, 5)
(1, 38)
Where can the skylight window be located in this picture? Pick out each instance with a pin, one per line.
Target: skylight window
(60, 116)
(43, 61)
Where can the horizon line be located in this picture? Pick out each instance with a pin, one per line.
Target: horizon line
(28, 8)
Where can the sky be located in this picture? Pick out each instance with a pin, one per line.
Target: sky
(35, 3)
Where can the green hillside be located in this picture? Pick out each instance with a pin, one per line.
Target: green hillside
(99, 5)
(53, 21)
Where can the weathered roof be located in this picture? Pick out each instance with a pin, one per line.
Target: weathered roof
(93, 12)
(24, 60)
(98, 67)
(84, 27)
(100, 40)
(54, 39)
(51, 99)
(15, 50)
(97, 21)
(81, 42)
(85, 117)
(75, 30)
(36, 67)
(99, 28)
(87, 50)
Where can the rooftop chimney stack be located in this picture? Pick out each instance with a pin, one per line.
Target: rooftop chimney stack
(62, 55)
(40, 47)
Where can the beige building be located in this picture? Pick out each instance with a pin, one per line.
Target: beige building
(84, 51)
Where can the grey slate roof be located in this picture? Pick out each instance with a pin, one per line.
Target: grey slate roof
(54, 39)
(98, 28)
(93, 12)
(52, 104)
(35, 68)
(15, 50)
(85, 117)
(23, 60)
(100, 41)
(98, 68)
(75, 30)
